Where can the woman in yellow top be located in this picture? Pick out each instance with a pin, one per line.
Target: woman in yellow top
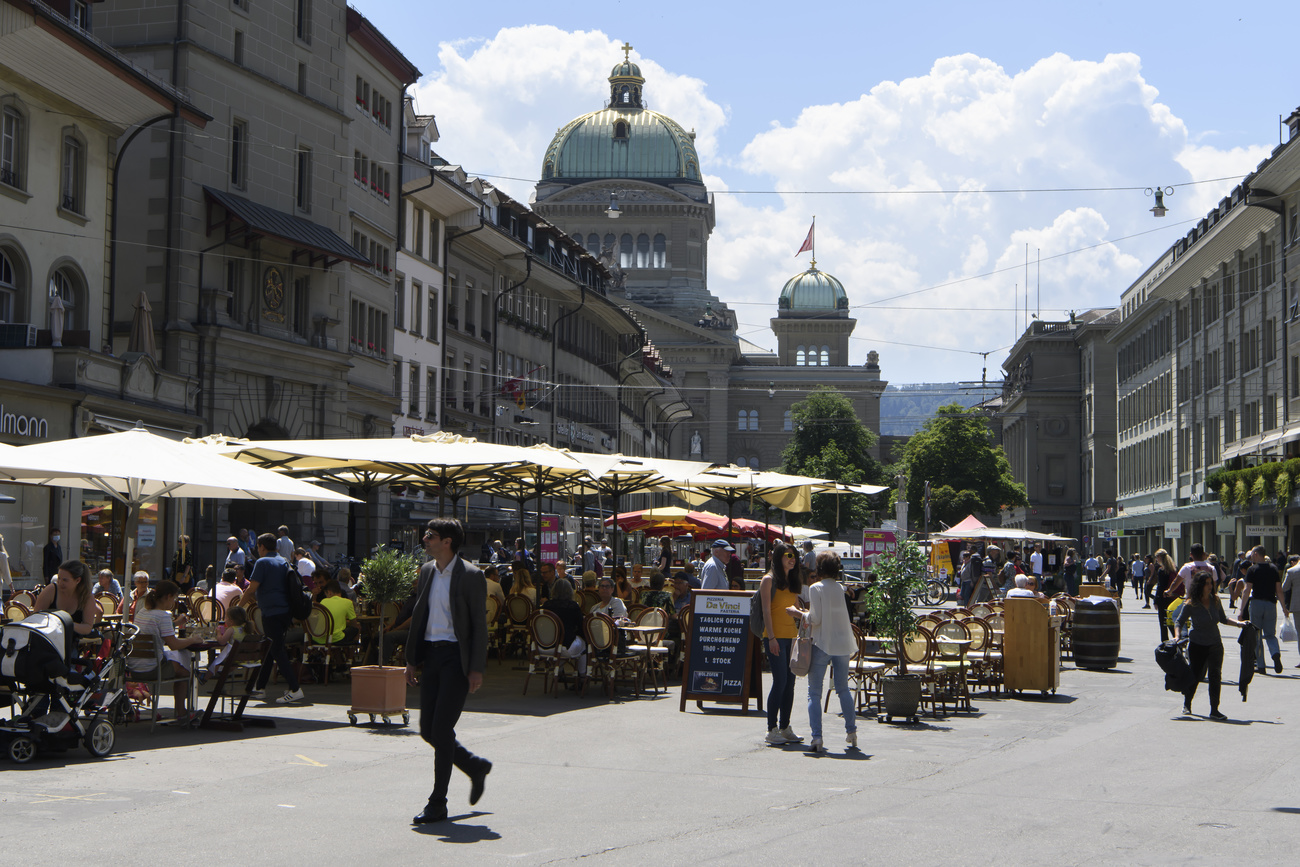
(779, 590)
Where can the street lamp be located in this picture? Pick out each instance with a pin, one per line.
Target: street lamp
(1159, 192)
(612, 211)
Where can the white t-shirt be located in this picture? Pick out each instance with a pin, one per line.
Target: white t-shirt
(1036, 561)
(158, 623)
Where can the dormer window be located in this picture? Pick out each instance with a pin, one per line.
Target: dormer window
(620, 131)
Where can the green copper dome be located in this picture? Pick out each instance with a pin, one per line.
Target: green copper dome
(625, 140)
(813, 291)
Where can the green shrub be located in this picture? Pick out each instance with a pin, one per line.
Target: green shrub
(1282, 486)
(1259, 488)
(1241, 492)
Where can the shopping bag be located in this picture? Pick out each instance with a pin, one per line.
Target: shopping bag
(801, 651)
(1288, 632)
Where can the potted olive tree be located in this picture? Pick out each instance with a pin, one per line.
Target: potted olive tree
(381, 689)
(899, 575)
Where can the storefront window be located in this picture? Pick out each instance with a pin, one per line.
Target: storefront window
(24, 524)
(103, 529)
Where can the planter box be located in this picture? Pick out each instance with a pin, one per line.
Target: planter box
(378, 689)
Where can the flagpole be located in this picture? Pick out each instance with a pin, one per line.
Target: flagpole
(813, 233)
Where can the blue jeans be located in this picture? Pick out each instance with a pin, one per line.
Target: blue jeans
(1263, 616)
(840, 676)
(780, 698)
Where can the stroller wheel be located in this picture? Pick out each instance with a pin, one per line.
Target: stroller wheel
(22, 749)
(100, 738)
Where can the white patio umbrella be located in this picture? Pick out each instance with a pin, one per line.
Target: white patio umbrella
(135, 466)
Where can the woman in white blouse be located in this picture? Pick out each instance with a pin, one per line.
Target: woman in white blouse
(833, 644)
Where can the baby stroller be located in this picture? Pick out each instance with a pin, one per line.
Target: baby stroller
(60, 700)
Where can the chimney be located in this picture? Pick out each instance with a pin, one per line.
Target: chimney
(1293, 124)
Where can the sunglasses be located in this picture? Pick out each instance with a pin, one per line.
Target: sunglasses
(789, 554)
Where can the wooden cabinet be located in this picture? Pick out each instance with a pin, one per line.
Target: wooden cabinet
(1031, 646)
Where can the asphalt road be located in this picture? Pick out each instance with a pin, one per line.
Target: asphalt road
(1108, 771)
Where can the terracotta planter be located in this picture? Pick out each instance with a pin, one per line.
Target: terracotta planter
(378, 690)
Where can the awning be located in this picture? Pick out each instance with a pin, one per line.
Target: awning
(1260, 445)
(245, 220)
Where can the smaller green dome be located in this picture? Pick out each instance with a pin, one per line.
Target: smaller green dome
(813, 291)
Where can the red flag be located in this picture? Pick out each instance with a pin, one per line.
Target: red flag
(808, 242)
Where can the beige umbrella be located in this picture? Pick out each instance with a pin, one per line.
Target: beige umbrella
(141, 340)
(135, 466)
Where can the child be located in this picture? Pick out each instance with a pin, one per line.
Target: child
(232, 632)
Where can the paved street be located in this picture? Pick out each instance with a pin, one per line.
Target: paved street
(1106, 772)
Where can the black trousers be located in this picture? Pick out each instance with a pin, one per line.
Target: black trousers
(275, 626)
(1205, 659)
(443, 689)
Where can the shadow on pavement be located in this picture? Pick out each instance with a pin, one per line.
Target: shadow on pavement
(452, 831)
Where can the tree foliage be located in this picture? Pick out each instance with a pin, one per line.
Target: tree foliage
(830, 442)
(954, 451)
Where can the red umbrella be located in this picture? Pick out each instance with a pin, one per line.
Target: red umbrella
(671, 521)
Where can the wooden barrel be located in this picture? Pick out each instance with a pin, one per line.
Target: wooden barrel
(1095, 633)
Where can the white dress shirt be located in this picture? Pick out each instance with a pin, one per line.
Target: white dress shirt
(440, 627)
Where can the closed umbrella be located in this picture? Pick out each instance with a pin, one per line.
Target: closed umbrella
(141, 339)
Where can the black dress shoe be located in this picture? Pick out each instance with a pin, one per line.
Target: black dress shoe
(477, 781)
(429, 815)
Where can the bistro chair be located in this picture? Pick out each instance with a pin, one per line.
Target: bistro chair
(16, 610)
(587, 600)
(209, 610)
(107, 603)
(605, 662)
(146, 647)
(519, 610)
(317, 645)
(494, 634)
(25, 598)
(950, 661)
(653, 650)
(864, 676)
(255, 619)
(981, 609)
(918, 653)
(545, 632)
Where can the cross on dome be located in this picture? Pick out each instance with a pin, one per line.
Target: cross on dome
(627, 51)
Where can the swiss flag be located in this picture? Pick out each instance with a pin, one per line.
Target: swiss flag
(808, 242)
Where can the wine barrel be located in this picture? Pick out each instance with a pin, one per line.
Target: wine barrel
(1095, 633)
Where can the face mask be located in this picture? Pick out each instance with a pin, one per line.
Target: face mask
(56, 537)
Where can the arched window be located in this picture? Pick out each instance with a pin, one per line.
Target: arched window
(788, 423)
(593, 244)
(753, 419)
(611, 243)
(620, 128)
(660, 259)
(625, 95)
(8, 289)
(742, 420)
(800, 357)
(643, 251)
(753, 462)
(826, 356)
(625, 252)
(68, 286)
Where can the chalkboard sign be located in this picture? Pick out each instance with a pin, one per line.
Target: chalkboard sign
(719, 664)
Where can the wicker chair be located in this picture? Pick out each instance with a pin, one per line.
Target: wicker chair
(546, 633)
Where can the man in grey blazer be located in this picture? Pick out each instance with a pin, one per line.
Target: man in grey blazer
(447, 654)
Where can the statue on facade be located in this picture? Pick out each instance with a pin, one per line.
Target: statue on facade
(697, 445)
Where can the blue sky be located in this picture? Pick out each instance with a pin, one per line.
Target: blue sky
(853, 97)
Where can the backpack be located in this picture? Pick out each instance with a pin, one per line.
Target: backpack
(756, 614)
(1172, 659)
(299, 598)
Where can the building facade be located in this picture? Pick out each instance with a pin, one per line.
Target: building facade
(1207, 367)
(266, 245)
(69, 108)
(1054, 416)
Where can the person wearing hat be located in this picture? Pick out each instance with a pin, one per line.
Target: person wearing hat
(809, 558)
(313, 552)
(714, 574)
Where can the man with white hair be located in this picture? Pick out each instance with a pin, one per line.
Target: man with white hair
(1021, 590)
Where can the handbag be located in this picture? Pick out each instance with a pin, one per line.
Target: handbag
(801, 650)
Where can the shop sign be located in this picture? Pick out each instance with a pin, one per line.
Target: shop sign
(582, 435)
(1265, 530)
(23, 425)
(1173, 530)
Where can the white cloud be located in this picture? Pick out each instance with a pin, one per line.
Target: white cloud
(967, 125)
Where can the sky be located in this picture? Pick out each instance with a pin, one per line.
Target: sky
(938, 145)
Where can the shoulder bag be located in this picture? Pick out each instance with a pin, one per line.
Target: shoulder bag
(801, 650)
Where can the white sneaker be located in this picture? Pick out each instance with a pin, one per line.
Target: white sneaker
(789, 735)
(291, 696)
(852, 740)
(257, 693)
(775, 737)
(817, 746)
